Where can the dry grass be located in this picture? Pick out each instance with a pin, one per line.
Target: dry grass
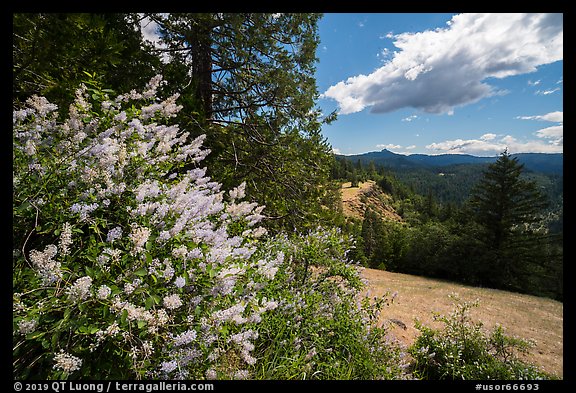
(356, 199)
(529, 317)
(351, 198)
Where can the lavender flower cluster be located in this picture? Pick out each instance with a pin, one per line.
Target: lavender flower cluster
(162, 262)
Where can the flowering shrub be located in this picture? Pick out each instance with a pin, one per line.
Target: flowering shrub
(322, 328)
(463, 351)
(129, 262)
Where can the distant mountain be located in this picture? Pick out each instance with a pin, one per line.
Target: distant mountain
(549, 163)
(541, 162)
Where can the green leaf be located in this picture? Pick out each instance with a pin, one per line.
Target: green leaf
(149, 303)
(55, 339)
(141, 272)
(34, 335)
(211, 271)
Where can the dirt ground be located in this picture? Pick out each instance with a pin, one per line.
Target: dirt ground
(529, 317)
(356, 199)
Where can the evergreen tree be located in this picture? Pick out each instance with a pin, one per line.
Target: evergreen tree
(372, 235)
(507, 207)
(372, 171)
(51, 53)
(354, 179)
(249, 84)
(246, 80)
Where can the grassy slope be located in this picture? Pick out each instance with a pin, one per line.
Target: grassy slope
(525, 316)
(356, 199)
(528, 317)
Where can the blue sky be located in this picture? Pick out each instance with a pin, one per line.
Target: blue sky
(442, 83)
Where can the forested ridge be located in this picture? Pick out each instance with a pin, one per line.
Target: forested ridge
(442, 223)
(176, 213)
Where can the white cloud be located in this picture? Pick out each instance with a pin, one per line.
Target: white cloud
(438, 70)
(534, 83)
(554, 132)
(550, 142)
(556, 117)
(488, 137)
(389, 146)
(469, 146)
(411, 147)
(547, 92)
(150, 30)
(335, 150)
(410, 118)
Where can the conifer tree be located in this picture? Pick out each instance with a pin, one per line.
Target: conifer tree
(507, 209)
(52, 52)
(248, 82)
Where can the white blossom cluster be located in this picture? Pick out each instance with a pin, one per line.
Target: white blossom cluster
(169, 223)
(139, 237)
(114, 234)
(25, 327)
(65, 239)
(47, 268)
(80, 290)
(172, 302)
(66, 362)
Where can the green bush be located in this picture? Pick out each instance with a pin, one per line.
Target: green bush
(463, 350)
(130, 263)
(322, 328)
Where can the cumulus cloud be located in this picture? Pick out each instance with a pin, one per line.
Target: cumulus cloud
(488, 137)
(550, 142)
(468, 146)
(389, 146)
(557, 117)
(554, 132)
(151, 32)
(438, 70)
